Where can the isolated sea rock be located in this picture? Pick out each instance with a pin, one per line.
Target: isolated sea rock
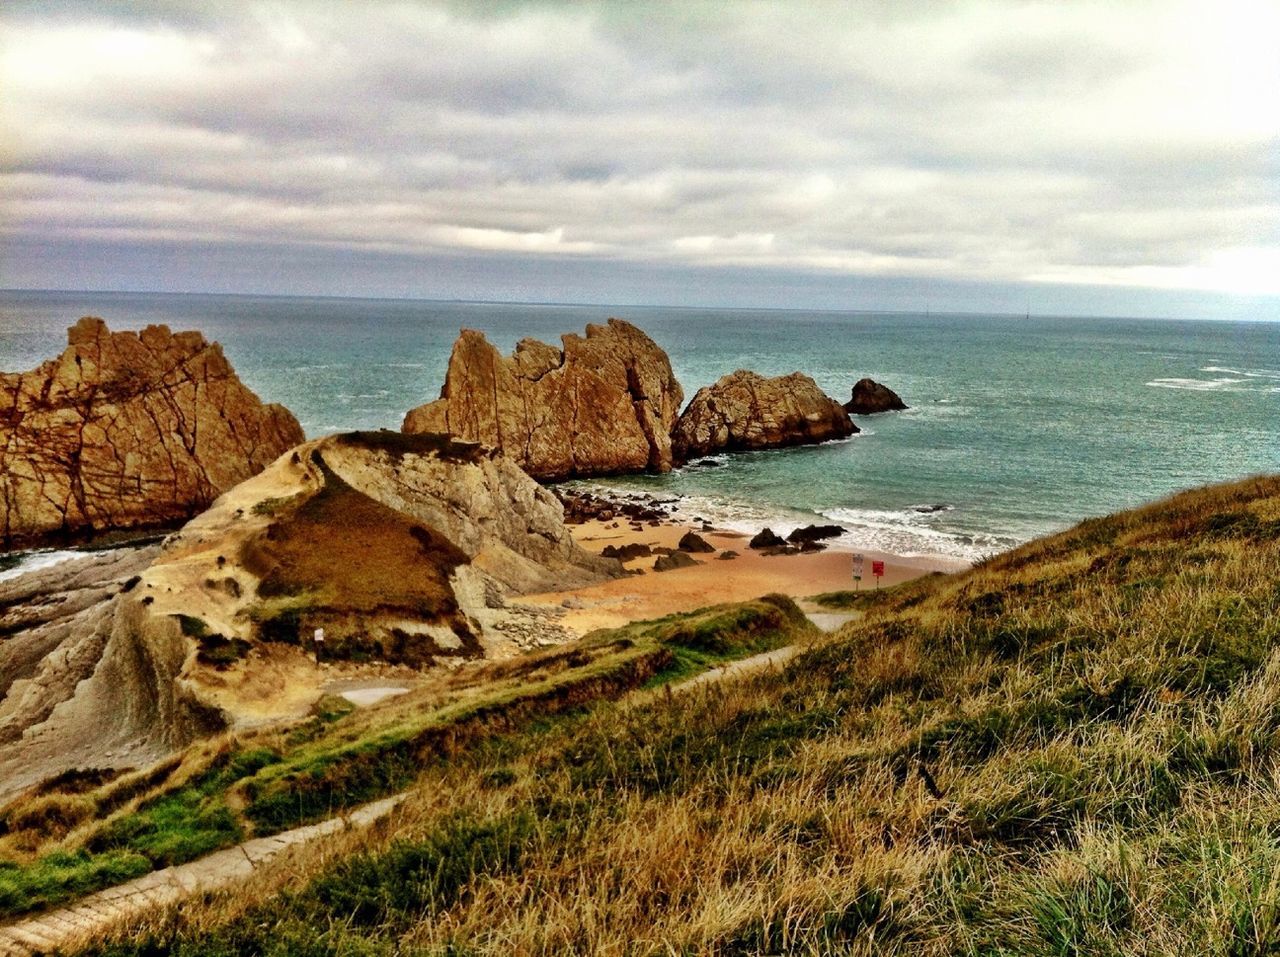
(602, 404)
(744, 410)
(870, 397)
(127, 429)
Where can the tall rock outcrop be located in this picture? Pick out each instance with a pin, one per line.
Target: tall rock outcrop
(127, 429)
(602, 404)
(870, 397)
(744, 411)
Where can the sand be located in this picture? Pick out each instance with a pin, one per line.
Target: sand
(750, 575)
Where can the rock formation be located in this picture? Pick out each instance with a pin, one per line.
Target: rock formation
(695, 543)
(676, 559)
(745, 410)
(766, 538)
(870, 397)
(127, 429)
(403, 548)
(602, 404)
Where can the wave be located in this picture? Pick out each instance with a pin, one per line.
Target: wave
(36, 560)
(915, 531)
(1199, 385)
(1247, 373)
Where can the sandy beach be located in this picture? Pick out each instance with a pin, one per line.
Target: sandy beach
(653, 594)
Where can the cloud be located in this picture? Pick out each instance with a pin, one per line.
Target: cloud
(996, 142)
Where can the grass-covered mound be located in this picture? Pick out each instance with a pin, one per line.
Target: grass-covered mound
(1071, 749)
(83, 831)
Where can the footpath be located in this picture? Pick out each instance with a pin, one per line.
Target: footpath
(91, 915)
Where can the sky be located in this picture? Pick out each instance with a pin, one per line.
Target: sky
(1098, 158)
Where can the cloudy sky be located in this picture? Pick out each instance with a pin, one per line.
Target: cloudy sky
(1111, 157)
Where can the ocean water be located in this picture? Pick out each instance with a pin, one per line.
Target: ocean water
(1017, 426)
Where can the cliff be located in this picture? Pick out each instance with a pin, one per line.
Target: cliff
(403, 548)
(602, 404)
(127, 429)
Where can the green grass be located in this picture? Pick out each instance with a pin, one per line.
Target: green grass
(1073, 749)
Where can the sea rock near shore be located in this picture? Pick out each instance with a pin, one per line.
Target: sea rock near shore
(127, 429)
(744, 410)
(870, 397)
(602, 404)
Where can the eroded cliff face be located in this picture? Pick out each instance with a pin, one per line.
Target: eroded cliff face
(88, 679)
(127, 429)
(405, 549)
(603, 404)
(745, 410)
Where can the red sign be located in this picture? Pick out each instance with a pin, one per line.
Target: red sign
(877, 568)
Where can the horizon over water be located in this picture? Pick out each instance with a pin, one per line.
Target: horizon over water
(1017, 427)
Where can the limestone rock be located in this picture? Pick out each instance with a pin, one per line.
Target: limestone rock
(870, 397)
(603, 404)
(127, 429)
(744, 410)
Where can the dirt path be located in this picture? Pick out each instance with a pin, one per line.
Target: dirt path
(98, 912)
(92, 915)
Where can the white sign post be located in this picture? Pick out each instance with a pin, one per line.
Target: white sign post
(857, 570)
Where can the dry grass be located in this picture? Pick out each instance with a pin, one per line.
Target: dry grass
(1069, 750)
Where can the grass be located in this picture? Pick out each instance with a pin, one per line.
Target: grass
(83, 832)
(1073, 749)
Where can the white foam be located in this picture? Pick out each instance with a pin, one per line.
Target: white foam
(1199, 385)
(1248, 373)
(34, 561)
(914, 534)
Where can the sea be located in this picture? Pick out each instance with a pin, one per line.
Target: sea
(1018, 425)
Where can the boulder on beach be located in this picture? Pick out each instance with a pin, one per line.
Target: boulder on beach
(673, 561)
(870, 397)
(602, 404)
(744, 411)
(814, 533)
(766, 538)
(693, 542)
(126, 430)
(624, 553)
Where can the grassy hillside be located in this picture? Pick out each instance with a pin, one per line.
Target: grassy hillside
(1071, 749)
(83, 831)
